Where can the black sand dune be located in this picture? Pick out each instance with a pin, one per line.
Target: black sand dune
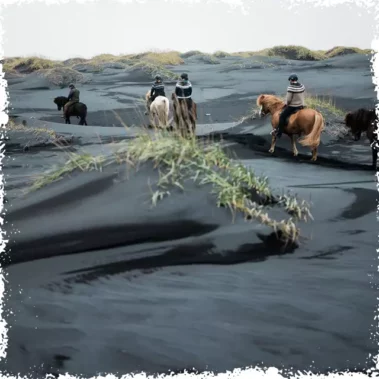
(99, 281)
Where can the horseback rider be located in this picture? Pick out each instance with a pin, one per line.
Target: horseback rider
(73, 97)
(294, 102)
(157, 89)
(183, 90)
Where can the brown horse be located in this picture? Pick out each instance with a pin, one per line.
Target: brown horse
(305, 122)
(185, 119)
(364, 120)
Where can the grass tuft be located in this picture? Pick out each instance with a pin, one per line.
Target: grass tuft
(153, 69)
(63, 76)
(221, 54)
(29, 65)
(84, 162)
(178, 159)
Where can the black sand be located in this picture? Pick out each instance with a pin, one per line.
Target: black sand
(100, 282)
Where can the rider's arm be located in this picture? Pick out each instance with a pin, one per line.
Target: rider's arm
(70, 94)
(289, 98)
(190, 90)
(177, 91)
(152, 90)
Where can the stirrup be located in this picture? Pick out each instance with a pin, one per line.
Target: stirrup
(274, 131)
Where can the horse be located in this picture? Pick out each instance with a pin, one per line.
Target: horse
(147, 99)
(185, 119)
(364, 120)
(77, 109)
(160, 107)
(306, 122)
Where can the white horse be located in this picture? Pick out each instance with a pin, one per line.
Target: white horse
(160, 108)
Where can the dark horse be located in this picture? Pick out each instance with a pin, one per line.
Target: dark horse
(185, 119)
(78, 109)
(364, 120)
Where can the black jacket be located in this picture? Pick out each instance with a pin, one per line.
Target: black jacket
(157, 90)
(183, 90)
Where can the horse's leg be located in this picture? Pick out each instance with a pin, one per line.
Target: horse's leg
(314, 154)
(374, 158)
(294, 148)
(273, 142)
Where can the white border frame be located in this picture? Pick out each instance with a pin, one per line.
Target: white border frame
(271, 372)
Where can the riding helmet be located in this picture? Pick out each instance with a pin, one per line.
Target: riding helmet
(184, 76)
(293, 77)
(71, 86)
(158, 77)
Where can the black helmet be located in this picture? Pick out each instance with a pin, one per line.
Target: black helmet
(71, 86)
(184, 76)
(158, 77)
(293, 77)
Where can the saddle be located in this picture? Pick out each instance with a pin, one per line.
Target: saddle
(292, 113)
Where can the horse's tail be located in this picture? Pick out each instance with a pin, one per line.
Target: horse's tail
(313, 138)
(162, 113)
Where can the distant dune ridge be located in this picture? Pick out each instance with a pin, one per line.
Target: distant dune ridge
(60, 73)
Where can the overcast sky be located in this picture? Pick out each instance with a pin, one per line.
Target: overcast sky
(84, 30)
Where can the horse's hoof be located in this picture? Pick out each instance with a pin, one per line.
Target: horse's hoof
(295, 154)
(313, 159)
(271, 151)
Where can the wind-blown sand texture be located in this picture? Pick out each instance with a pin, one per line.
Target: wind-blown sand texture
(110, 283)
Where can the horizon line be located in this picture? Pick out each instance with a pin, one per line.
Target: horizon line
(160, 51)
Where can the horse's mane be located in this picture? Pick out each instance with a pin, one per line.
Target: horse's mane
(361, 118)
(270, 100)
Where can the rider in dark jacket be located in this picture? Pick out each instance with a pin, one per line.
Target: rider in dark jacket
(183, 90)
(157, 88)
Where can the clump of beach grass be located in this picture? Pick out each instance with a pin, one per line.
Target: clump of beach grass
(344, 50)
(324, 105)
(153, 69)
(161, 58)
(82, 162)
(179, 159)
(63, 76)
(209, 59)
(191, 53)
(29, 65)
(221, 54)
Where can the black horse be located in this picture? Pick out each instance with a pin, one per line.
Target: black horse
(78, 109)
(364, 120)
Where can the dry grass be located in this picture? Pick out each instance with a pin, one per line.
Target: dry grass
(14, 126)
(294, 52)
(179, 159)
(84, 162)
(343, 50)
(191, 53)
(323, 105)
(221, 54)
(153, 69)
(28, 65)
(63, 76)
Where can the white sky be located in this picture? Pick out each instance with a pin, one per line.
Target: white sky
(74, 29)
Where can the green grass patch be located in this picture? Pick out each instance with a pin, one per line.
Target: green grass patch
(84, 163)
(179, 159)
